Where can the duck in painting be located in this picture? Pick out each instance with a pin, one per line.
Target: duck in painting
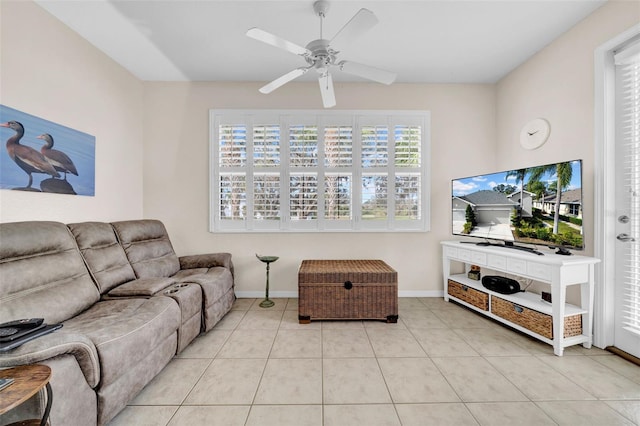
(58, 159)
(27, 158)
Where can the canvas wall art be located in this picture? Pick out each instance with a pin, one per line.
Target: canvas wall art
(42, 156)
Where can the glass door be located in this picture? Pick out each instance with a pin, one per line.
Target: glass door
(627, 205)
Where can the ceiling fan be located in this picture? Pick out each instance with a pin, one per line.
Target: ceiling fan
(321, 54)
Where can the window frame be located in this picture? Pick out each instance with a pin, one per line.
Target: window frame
(356, 119)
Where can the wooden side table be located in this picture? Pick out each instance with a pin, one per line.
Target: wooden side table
(28, 380)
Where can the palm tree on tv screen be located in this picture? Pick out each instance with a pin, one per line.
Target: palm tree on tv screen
(538, 188)
(563, 173)
(519, 175)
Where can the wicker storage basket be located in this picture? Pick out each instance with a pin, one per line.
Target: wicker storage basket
(347, 289)
(470, 295)
(535, 321)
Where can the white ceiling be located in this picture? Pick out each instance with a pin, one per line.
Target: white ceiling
(430, 41)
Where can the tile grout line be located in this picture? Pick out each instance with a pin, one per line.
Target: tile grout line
(386, 384)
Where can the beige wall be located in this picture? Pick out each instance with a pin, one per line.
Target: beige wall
(49, 71)
(176, 167)
(162, 129)
(558, 84)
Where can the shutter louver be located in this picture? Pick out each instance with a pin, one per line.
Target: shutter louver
(375, 141)
(374, 196)
(233, 145)
(408, 196)
(266, 145)
(338, 146)
(303, 146)
(407, 152)
(337, 196)
(266, 196)
(233, 196)
(303, 196)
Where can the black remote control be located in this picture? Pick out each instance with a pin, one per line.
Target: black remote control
(23, 323)
(7, 331)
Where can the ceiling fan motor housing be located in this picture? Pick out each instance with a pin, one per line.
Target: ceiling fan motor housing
(322, 56)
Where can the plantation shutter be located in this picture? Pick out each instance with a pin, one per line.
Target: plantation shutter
(338, 161)
(628, 75)
(232, 156)
(407, 176)
(318, 171)
(266, 146)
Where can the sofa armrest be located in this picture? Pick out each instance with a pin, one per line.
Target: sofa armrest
(55, 344)
(206, 261)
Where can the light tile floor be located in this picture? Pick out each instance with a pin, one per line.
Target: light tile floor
(441, 364)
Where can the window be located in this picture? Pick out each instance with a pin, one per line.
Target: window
(574, 209)
(319, 171)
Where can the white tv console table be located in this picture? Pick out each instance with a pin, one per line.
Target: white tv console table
(557, 270)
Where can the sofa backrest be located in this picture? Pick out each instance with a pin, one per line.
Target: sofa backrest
(148, 248)
(103, 254)
(42, 273)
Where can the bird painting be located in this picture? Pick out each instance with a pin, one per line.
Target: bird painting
(27, 158)
(66, 165)
(58, 159)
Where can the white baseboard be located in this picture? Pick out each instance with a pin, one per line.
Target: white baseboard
(294, 294)
(272, 294)
(421, 293)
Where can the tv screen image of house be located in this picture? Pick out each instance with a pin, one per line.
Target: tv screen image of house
(522, 205)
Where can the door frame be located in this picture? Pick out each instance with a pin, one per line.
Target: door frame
(604, 215)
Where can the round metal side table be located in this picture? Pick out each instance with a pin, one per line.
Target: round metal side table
(267, 303)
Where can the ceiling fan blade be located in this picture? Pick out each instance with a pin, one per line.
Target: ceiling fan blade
(368, 72)
(326, 89)
(361, 22)
(274, 40)
(281, 81)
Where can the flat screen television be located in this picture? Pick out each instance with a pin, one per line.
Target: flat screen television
(522, 206)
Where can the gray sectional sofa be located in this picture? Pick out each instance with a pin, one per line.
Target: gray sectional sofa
(127, 303)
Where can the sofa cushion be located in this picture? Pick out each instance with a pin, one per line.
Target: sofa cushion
(125, 330)
(104, 256)
(215, 282)
(147, 247)
(114, 397)
(42, 272)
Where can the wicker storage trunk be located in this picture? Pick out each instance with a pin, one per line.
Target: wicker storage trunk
(347, 289)
(534, 320)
